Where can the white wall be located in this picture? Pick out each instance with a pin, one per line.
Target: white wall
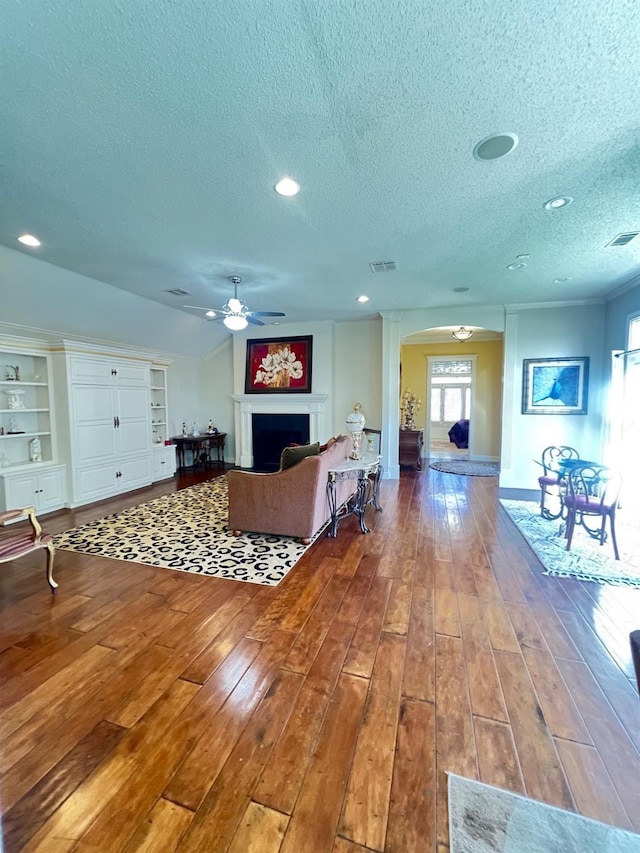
(216, 388)
(357, 372)
(618, 312)
(44, 298)
(549, 332)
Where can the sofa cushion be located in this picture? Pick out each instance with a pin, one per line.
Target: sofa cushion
(292, 455)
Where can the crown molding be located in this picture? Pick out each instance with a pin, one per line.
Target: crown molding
(631, 284)
(569, 303)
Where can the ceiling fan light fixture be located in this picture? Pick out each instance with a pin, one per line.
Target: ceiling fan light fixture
(462, 334)
(235, 322)
(210, 314)
(234, 305)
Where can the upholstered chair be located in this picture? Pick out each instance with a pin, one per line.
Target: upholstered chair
(552, 478)
(21, 540)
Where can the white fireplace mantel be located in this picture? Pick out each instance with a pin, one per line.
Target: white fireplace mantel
(278, 404)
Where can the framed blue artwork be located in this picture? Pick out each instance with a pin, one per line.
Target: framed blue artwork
(555, 386)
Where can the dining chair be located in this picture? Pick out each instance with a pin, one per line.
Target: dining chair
(21, 541)
(592, 492)
(373, 438)
(552, 477)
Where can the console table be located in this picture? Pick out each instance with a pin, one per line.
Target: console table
(368, 472)
(200, 447)
(410, 447)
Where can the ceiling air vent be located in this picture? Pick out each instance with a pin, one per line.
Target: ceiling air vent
(383, 266)
(623, 239)
(178, 291)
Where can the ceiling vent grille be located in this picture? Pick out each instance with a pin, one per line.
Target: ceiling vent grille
(623, 239)
(383, 266)
(178, 291)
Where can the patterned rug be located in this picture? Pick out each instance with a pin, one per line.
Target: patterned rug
(587, 560)
(484, 819)
(187, 531)
(469, 469)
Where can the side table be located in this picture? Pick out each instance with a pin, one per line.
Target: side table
(410, 447)
(200, 447)
(368, 472)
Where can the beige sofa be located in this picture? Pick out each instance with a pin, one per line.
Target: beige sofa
(288, 503)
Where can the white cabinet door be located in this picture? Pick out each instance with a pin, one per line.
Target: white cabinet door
(95, 482)
(22, 491)
(107, 371)
(134, 473)
(94, 419)
(164, 462)
(91, 370)
(45, 489)
(132, 410)
(131, 374)
(51, 489)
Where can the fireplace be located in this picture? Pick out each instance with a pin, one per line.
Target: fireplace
(312, 406)
(271, 433)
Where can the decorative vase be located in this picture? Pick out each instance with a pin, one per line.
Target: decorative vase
(355, 425)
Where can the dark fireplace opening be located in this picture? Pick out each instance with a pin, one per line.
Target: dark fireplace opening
(272, 433)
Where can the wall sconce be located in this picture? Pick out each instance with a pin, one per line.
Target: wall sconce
(462, 334)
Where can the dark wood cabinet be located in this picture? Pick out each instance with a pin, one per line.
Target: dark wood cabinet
(411, 441)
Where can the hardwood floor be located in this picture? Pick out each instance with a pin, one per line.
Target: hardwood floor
(142, 709)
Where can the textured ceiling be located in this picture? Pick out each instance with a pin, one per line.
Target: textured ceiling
(141, 140)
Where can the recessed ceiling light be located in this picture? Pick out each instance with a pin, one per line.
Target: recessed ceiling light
(363, 298)
(210, 314)
(560, 280)
(29, 240)
(276, 323)
(287, 186)
(495, 146)
(460, 290)
(557, 202)
(516, 266)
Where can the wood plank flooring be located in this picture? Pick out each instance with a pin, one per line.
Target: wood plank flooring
(142, 709)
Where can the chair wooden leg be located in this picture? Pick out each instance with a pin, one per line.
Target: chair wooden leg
(50, 555)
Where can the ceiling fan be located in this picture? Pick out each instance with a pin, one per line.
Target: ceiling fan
(234, 313)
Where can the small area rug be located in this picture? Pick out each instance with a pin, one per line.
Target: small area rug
(484, 819)
(187, 530)
(587, 560)
(469, 469)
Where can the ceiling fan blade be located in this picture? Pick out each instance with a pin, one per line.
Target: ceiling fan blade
(253, 320)
(202, 308)
(267, 314)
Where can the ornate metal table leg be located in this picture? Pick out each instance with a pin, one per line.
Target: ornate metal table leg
(361, 500)
(376, 488)
(331, 498)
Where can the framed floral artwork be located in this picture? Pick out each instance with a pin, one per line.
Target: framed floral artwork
(555, 386)
(279, 365)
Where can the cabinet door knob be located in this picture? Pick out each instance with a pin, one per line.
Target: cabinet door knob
(114, 372)
(114, 422)
(118, 422)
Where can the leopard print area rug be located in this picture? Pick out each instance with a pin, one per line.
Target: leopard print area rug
(187, 531)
